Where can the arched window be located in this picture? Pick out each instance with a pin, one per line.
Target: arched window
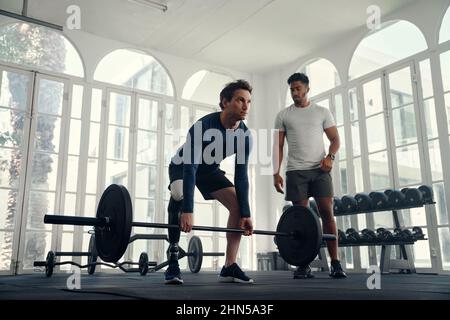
(39, 47)
(393, 42)
(204, 86)
(444, 34)
(134, 69)
(322, 75)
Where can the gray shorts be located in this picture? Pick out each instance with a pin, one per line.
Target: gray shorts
(303, 184)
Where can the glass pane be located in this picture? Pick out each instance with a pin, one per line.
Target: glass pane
(401, 88)
(435, 160)
(199, 113)
(91, 177)
(47, 133)
(376, 133)
(339, 114)
(170, 147)
(353, 99)
(185, 122)
(72, 174)
(118, 143)
(148, 114)
(96, 105)
(10, 167)
(379, 171)
(203, 215)
(444, 240)
(37, 244)
(382, 47)
(36, 46)
(77, 101)
(325, 71)
(355, 139)
(134, 69)
(119, 112)
(444, 34)
(421, 251)
(6, 239)
(447, 108)
(440, 206)
(146, 147)
(430, 118)
(66, 245)
(8, 202)
(94, 137)
(343, 173)
(144, 211)
(44, 171)
(358, 175)
(324, 103)
(342, 150)
(116, 172)
(170, 118)
(11, 128)
(14, 90)
(426, 79)
(145, 181)
(383, 220)
(404, 125)
(90, 206)
(204, 86)
(414, 217)
(408, 165)
(373, 98)
(40, 204)
(445, 69)
(50, 97)
(75, 136)
(70, 203)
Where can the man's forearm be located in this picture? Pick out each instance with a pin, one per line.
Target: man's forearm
(334, 146)
(277, 160)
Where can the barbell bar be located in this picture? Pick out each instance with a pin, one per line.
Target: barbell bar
(298, 235)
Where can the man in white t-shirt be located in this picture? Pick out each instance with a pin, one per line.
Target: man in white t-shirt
(308, 168)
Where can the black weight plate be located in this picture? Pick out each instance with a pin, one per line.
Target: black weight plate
(50, 263)
(195, 251)
(112, 241)
(303, 248)
(94, 255)
(143, 263)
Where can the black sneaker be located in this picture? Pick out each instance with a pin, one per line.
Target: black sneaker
(173, 274)
(336, 270)
(233, 273)
(303, 273)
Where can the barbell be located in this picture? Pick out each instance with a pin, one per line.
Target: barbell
(298, 234)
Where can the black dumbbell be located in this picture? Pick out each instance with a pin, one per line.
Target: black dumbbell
(342, 238)
(418, 233)
(364, 201)
(352, 236)
(427, 194)
(396, 198)
(338, 207)
(384, 235)
(402, 235)
(413, 197)
(368, 235)
(349, 203)
(379, 200)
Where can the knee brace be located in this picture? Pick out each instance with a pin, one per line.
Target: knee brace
(174, 209)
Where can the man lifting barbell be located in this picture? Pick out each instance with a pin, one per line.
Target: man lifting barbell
(303, 125)
(196, 163)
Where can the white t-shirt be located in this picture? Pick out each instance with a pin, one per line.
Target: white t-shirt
(304, 129)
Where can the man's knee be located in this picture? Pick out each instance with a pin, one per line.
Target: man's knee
(176, 190)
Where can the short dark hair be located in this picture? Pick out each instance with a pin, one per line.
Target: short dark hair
(228, 92)
(298, 77)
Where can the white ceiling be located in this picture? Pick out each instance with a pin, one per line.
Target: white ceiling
(246, 35)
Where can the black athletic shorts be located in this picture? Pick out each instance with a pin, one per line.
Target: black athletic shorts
(302, 184)
(206, 182)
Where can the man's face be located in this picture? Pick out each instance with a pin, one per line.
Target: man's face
(299, 90)
(239, 105)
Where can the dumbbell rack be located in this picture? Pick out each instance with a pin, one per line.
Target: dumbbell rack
(405, 262)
